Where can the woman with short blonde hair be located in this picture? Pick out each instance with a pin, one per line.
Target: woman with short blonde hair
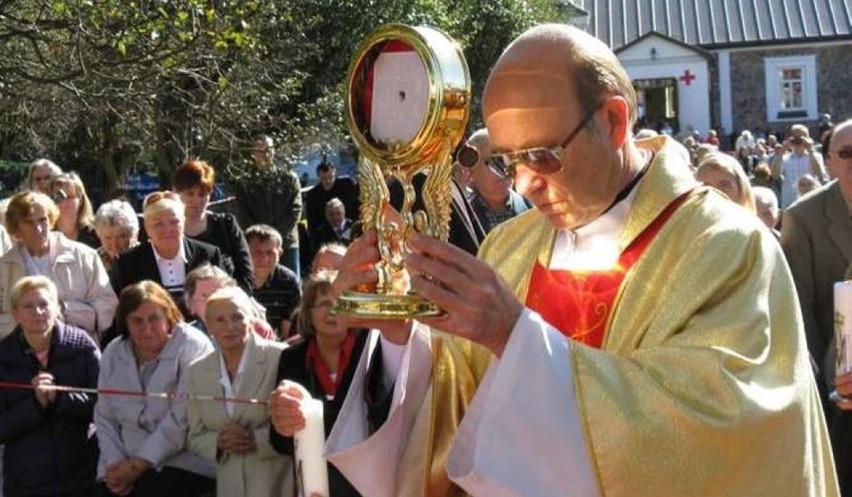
(77, 270)
(236, 436)
(42, 351)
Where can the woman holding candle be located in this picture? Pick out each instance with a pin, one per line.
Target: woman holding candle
(323, 364)
(142, 438)
(235, 435)
(49, 446)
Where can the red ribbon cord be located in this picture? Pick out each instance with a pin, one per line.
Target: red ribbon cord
(182, 397)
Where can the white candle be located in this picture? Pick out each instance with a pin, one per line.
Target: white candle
(843, 325)
(311, 471)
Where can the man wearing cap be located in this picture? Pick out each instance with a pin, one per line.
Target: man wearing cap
(794, 160)
(626, 320)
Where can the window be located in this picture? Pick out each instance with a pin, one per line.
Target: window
(791, 89)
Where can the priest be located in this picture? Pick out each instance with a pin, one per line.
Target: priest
(635, 334)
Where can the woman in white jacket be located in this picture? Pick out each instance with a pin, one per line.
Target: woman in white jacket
(85, 293)
(236, 435)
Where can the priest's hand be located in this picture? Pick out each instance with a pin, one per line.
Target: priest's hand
(357, 272)
(479, 306)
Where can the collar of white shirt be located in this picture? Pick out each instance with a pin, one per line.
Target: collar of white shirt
(229, 386)
(181, 255)
(594, 246)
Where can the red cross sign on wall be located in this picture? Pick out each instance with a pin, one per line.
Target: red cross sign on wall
(687, 77)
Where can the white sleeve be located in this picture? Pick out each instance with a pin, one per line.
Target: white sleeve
(522, 434)
(370, 460)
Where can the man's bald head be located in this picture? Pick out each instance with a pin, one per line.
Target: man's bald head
(542, 67)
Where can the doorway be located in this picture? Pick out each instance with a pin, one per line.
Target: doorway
(657, 101)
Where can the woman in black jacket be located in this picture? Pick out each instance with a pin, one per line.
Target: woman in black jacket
(50, 449)
(194, 182)
(324, 364)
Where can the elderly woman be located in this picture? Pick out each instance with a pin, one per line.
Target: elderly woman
(142, 438)
(117, 227)
(236, 435)
(724, 173)
(39, 174)
(50, 449)
(205, 280)
(168, 256)
(76, 269)
(324, 365)
(75, 209)
(194, 182)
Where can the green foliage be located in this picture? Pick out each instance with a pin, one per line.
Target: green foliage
(101, 85)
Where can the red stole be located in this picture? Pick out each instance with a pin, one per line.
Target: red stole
(579, 303)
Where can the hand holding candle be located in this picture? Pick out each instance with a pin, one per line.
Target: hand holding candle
(294, 413)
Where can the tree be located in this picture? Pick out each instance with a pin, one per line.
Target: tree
(104, 85)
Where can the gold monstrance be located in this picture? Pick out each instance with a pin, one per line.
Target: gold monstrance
(408, 106)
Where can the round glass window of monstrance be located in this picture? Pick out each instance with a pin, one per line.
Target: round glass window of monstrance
(389, 95)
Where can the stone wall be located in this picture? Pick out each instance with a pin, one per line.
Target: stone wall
(748, 85)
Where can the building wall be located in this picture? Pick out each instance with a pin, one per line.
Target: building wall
(655, 57)
(748, 84)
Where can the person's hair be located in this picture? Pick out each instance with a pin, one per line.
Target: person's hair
(117, 213)
(263, 233)
(762, 171)
(728, 165)
(703, 150)
(764, 195)
(133, 296)
(85, 216)
(807, 182)
(54, 170)
(479, 139)
(194, 173)
(801, 129)
(28, 283)
(334, 204)
(594, 68)
(203, 273)
(23, 204)
(324, 167)
(233, 294)
(334, 247)
(317, 285)
(156, 201)
(646, 133)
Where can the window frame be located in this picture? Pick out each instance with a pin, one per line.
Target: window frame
(774, 67)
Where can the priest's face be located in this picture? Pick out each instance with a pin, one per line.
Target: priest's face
(529, 102)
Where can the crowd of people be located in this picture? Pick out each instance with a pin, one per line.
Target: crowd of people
(636, 297)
